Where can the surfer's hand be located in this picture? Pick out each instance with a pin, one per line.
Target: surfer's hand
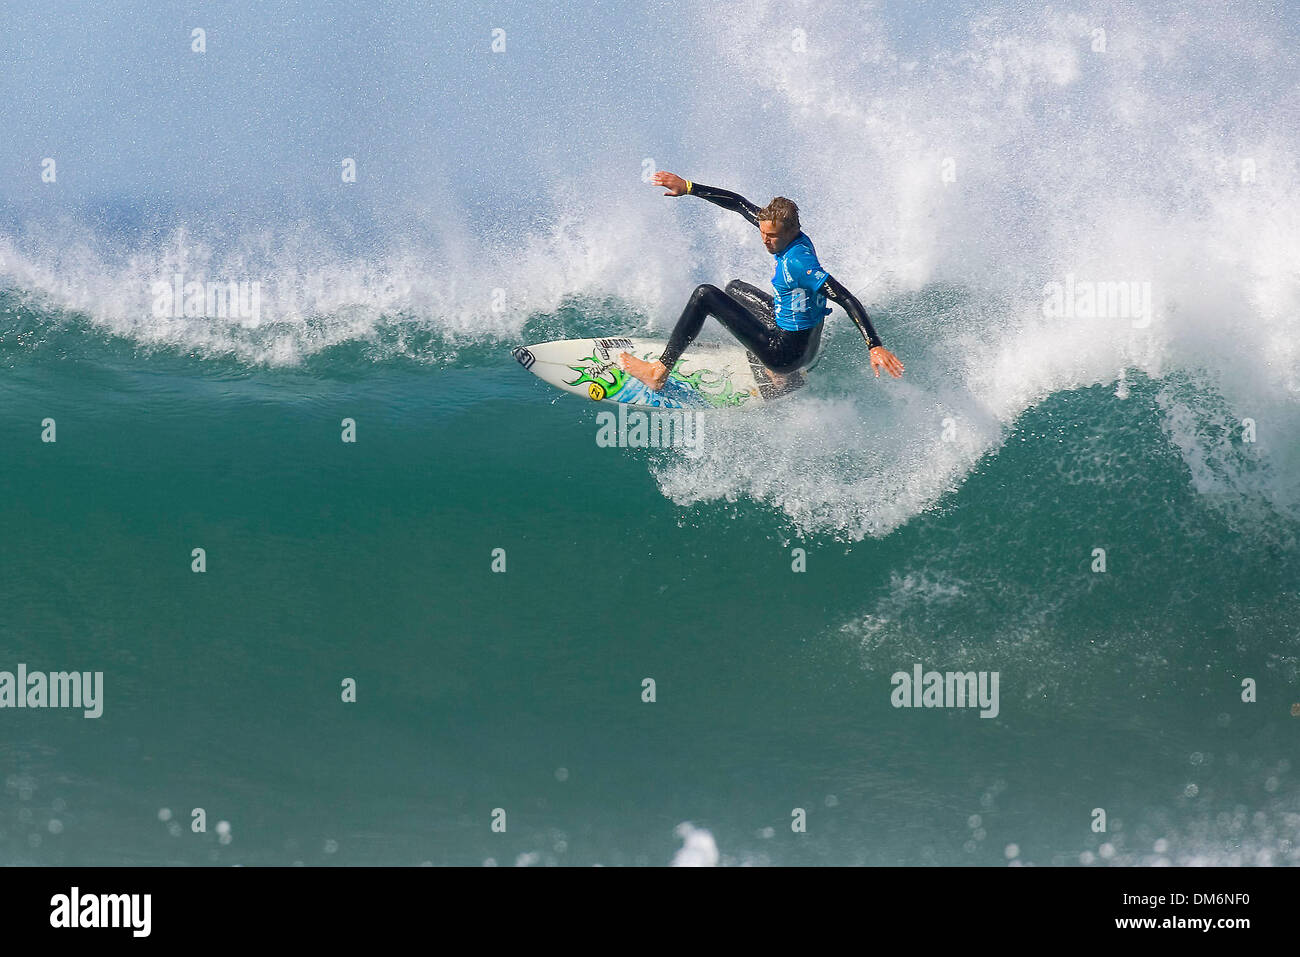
(675, 185)
(883, 358)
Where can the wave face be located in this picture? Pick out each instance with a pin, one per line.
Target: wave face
(1078, 229)
(1002, 154)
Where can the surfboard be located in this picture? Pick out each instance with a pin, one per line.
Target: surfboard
(709, 376)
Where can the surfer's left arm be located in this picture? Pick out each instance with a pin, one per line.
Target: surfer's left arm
(880, 356)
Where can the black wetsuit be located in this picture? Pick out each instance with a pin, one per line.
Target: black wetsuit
(747, 311)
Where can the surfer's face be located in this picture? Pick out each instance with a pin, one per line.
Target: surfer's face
(773, 238)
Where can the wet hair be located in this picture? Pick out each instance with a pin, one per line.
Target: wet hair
(781, 211)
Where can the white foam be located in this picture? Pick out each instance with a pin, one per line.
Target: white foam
(1122, 165)
(698, 849)
(1114, 166)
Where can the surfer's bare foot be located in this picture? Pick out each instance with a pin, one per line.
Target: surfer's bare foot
(776, 379)
(653, 374)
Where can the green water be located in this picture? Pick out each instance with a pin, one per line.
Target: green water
(522, 690)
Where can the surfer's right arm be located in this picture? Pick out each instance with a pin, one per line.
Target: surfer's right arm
(725, 198)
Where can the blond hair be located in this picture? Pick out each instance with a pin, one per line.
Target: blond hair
(781, 211)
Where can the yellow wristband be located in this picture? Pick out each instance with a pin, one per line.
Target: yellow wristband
(689, 184)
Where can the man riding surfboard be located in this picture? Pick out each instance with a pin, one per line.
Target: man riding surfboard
(782, 331)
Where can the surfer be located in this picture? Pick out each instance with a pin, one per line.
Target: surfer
(784, 332)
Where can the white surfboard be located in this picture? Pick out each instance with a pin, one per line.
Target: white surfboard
(707, 376)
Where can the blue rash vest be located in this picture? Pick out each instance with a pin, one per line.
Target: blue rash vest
(799, 301)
